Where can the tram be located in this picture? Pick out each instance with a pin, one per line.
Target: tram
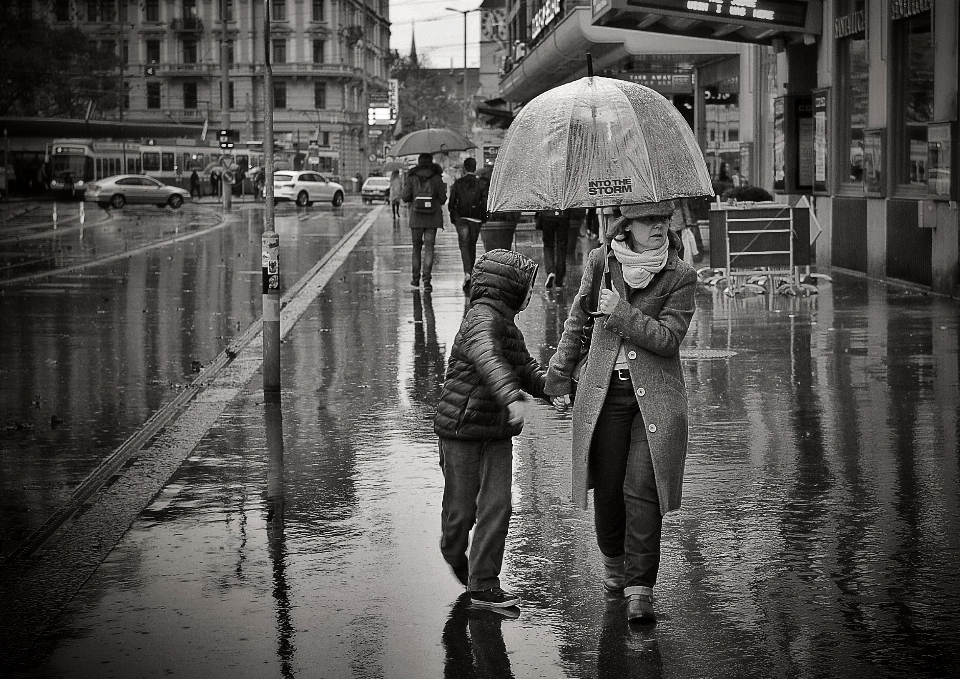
(74, 162)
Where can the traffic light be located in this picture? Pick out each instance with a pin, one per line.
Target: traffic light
(227, 138)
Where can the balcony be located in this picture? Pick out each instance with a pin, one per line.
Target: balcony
(187, 25)
(310, 69)
(188, 70)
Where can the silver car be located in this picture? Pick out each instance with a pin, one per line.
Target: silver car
(305, 188)
(121, 189)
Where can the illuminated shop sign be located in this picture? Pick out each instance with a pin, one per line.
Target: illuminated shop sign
(850, 24)
(900, 9)
(543, 17)
(780, 12)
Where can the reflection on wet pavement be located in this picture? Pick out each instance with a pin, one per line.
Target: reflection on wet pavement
(819, 534)
(88, 357)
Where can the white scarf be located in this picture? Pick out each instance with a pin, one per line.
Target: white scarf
(640, 267)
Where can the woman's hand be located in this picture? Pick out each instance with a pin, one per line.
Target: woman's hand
(609, 299)
(561, 403)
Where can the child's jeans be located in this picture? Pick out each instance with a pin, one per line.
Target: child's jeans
(477, 478)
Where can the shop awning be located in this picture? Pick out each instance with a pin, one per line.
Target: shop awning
(561, 56)
(496, 113)
(753, 21)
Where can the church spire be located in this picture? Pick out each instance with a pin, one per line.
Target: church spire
(413, 45)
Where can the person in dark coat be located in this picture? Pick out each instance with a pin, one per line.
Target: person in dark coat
(554, 226)
(630, 411)
(194, 184)
(481, 408)
(468, 211)
(426, 193)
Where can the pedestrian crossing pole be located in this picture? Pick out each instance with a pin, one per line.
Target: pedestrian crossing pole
(270, 252)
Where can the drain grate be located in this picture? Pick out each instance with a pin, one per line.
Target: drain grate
(705, 354)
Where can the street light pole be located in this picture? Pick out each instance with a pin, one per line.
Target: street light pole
(270, 241)
(464, 12)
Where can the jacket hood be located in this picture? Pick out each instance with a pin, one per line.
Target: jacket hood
(426, 171)
(502, 276)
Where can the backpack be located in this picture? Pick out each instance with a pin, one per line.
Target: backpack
(472, 202)
(424, 201)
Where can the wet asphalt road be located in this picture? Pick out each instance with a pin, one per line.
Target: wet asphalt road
(819, 535)
(150, 297)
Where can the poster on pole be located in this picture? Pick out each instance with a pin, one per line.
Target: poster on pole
(821, 142)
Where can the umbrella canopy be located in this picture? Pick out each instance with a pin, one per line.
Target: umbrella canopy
(434, 140)
(597, 142)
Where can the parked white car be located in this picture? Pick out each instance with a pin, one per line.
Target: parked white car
(305, 188)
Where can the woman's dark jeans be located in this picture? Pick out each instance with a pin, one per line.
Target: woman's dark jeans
(625, 501)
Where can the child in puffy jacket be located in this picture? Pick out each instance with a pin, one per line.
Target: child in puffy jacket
(481, 409)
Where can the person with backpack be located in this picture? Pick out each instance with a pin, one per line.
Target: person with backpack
(426, 193)
(468, 211)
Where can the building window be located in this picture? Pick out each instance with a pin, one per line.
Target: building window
(226, 10)
(318, 46)
(108, 10)
(914, 106)
(153, 95)
(92, 7)
(280, 51)
(279, 10)
(318, 10)
(123, 12)
(189, 51)
(190, 95)
(152, 10)
(319, 94)
(125, 51)
(852, 98)
(325, 139)
(280, 95)
(189, 9)
(230, 52)
(62, 10)
(153, 51)
(126, 96)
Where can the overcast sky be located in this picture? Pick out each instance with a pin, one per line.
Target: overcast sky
(439, 31)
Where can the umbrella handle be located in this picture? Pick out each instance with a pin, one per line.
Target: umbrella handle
(589, 65)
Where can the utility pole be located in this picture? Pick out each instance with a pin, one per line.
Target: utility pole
(225, 188)
(270, 243)
(466, 120)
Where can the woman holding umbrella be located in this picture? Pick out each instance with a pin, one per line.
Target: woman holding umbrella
(630, 412)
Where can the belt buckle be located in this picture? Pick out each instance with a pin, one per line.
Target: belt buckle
(623, 374)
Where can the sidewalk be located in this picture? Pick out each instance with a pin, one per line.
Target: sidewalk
(301, 539)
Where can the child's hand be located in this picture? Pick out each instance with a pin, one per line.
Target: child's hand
(516, 412)
(561, 403)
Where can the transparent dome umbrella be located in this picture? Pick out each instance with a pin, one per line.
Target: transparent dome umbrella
(434, 140)
(597, 142)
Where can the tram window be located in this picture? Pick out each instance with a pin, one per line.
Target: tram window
(167, 162)
(131, 166)
(151, 161)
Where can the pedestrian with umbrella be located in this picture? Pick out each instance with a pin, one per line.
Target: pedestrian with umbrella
(425, 193)
(625, 148)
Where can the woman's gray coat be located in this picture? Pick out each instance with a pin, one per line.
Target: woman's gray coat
(651, 323)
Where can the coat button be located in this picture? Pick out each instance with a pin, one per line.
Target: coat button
(652, 428)
(641, 391)
(632, 355)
